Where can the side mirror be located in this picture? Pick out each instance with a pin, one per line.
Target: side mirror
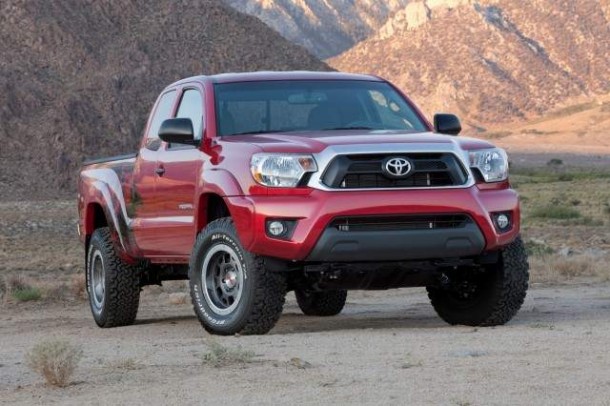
(447, 124)
(177, 131)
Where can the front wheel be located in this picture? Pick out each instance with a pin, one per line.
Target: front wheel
(231, 290)
(486, 297)
(328, 303)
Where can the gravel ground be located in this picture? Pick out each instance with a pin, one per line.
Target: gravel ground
(386, 348)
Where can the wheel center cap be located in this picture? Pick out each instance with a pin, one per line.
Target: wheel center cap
(230, 279)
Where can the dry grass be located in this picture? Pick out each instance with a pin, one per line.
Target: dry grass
(78, 287)
(21, 289)
(555, 212)
(3, 289)
(220, 356)
(565, 222)
(126, 364)
(56, 292)
(55, 361)
(17, 282)
(557, 268)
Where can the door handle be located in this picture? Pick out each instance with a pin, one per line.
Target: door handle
(160, 170)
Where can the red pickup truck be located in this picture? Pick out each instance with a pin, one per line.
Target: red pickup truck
(251, 185)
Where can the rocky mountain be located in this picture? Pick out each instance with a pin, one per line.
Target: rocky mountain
(78, 77)
(491, 61)
(325, 27)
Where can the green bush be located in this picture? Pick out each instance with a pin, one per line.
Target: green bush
(26, 294)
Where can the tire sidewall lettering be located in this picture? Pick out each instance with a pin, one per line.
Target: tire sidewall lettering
(200, 302)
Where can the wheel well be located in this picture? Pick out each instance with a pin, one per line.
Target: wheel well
(211, 207)
(96, 218)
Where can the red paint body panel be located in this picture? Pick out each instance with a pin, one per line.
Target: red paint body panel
(318, 209)
(157, 217)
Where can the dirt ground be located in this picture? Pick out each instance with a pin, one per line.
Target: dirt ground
(386, 348)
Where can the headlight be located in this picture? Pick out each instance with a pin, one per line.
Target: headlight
(281, 170)
(492, 163)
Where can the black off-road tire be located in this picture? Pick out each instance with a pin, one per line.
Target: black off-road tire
(263, 291)
(498, 297)
(329, 303)
(121, 294)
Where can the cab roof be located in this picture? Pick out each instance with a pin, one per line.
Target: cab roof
(276, 75)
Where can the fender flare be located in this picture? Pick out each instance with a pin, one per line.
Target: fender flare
(103, 188)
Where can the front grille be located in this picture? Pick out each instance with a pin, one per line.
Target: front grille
(401, 222)
(366, 171)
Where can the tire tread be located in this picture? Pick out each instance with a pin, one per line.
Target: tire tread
(269, 292)
(122, 285)
(509, 291)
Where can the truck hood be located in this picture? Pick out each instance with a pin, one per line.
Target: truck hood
(314, 142)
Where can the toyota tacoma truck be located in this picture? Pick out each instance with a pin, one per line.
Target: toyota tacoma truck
(251, 185)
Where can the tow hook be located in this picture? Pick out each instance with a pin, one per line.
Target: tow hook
(444, 280)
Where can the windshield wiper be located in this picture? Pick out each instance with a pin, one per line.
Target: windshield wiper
(252, 132)
(264, 132)
(349, 128)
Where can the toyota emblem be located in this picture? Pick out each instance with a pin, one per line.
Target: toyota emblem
(397, 167)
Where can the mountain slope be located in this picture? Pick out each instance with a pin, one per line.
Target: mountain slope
(491, 60)
(325, 27)
(77, 79)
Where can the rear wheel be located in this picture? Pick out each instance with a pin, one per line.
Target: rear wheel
(113, 285)
(329, 303)
(487, 297)
(231, 290)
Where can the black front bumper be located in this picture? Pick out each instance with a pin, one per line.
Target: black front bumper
(398, 245)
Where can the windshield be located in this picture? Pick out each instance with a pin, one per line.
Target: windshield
(311, 105)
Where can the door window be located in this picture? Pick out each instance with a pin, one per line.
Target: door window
(162, 113)
(191, 106)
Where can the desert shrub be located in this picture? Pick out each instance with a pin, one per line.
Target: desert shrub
(3, 288)
(537, 248)
(56, 292)
(569, 110)
(77, 286)
(555, 162)
(575, 267)
(27, 294)
(55, 361)
(566, 177)
(556, 212)
(218, 355)
(533, 131)
(498, 134)
(16, 282)
(126, 364)
(21, 290)
(555, 268)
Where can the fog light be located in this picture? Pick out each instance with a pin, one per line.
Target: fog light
(276, 228)
(502, 221)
